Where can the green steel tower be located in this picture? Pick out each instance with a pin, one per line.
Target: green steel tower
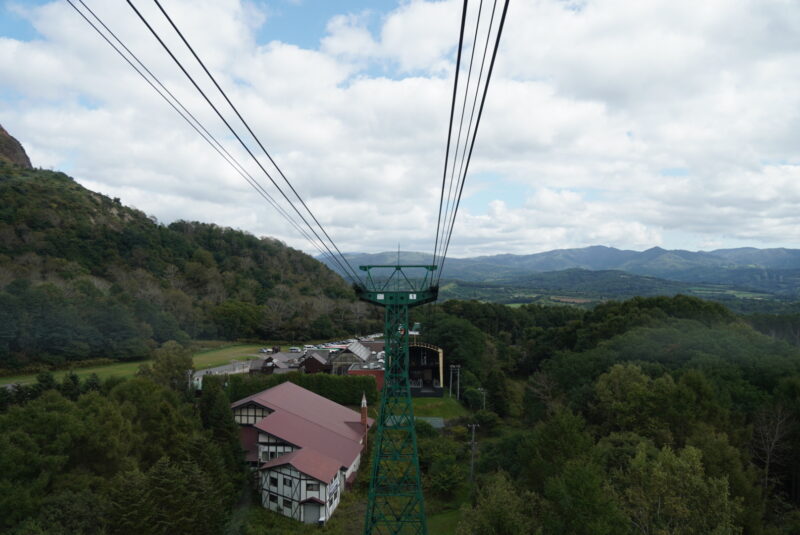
(396, 505)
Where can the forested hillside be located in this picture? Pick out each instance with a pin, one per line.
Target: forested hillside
(141, 455)
(83, 277)
(652, 415)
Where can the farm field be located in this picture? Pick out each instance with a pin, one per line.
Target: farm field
(202, 360)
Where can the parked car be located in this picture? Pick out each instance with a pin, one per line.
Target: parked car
(295, 350)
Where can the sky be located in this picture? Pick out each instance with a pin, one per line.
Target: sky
(668, 123)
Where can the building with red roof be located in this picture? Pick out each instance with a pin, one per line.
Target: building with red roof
(304, 446)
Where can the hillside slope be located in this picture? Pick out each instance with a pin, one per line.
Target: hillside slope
(82, 276)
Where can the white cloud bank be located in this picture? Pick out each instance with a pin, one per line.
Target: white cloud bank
(630, 124)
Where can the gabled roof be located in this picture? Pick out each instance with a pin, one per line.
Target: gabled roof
(373, 345)
(308, 435)
(362, 352)
(309, 462)
(257, 364)
(318, 356)
(357, 349)
(306, 405)
(328, 434)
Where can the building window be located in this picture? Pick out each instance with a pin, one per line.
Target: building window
(312, 487)
(287, 503)
(287, 482)
(264, 455)
(273, 498)
(273, 481)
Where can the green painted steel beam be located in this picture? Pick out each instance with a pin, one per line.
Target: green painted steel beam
(396, 504)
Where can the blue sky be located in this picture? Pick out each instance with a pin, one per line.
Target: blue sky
(303, 22)
(15, 26)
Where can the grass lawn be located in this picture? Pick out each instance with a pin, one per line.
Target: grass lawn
(444, 407)
(443, 523)
(202, 360)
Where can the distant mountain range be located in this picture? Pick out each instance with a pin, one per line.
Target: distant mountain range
(655, 262)
(618, 273)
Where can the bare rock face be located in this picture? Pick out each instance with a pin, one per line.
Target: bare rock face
(11, 150)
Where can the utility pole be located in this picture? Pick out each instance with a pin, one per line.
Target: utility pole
(457, 368)
(483, 392)
(450, 383)
(472, 454)
(395, 503)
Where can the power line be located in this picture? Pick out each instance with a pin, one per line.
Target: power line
(186, 115)
(351, 274)
(247, 126)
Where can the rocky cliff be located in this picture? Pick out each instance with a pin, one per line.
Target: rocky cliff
(11, 150)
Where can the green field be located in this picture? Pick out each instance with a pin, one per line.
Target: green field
(202, 360)
(444, 407)
(443, 523)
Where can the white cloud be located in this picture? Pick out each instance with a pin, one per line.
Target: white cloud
(630, 124)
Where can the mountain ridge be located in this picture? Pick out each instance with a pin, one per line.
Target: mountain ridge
(655, 261)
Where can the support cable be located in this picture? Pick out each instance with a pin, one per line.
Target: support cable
(448, 228)
(477, 123)
(247, 126)
(450, 129)
(186, 115)
(351, 274)
(453, 180)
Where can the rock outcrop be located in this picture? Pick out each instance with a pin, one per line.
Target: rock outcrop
(11, 150)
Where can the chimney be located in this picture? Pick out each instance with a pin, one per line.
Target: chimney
(364, 417)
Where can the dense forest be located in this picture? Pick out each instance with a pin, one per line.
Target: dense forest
(134, 456)
(652, 415)
(84, 277)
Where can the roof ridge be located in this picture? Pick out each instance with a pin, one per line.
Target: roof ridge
(301, 417)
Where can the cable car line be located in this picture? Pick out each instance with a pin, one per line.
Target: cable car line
(463, 109)
(247, 126)
(477, 124)
(448, 230)
(351, 274)
(190, 119)
(450, 129)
